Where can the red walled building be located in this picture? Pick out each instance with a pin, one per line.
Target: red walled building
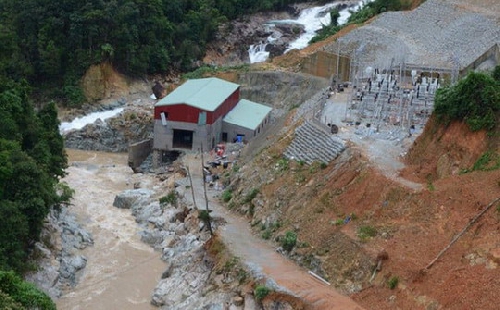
(192, 116)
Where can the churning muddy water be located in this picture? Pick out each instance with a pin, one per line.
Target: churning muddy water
(121, 271)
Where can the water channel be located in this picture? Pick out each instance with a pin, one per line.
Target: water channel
(121, 271)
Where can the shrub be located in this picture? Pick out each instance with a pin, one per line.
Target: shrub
(475, 99)
(24, 293)
(261, 291)
(282, 165)
(366, 231)
(227, 195)
(266, 234)
(73, 95)
(289, 241)
(496, 73)
(393, 282)
(488, 161)
(171, 198)
(251, 195)
(251, 210)
(204, 216)
(242, 276)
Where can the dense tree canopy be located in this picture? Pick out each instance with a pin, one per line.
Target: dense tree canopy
(475, 100)
(32, 159)
(54, 42)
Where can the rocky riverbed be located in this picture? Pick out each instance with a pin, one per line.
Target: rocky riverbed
(278, 29)
(127, 249)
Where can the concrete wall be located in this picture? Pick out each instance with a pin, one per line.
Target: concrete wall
(491, 54)
(202, 134)
(324, 64)
(233, 130)
(138, 152)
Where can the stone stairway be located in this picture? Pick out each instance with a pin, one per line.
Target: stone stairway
(312, 144)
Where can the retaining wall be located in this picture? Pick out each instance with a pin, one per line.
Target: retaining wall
(138, 152)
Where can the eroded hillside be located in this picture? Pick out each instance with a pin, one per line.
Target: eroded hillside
(349, 218)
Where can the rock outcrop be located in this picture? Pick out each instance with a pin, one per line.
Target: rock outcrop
(188, 281)
(59, 263)
(114, 134)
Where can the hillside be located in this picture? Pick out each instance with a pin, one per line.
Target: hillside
(386, 218)
(352, 214)
(361, 213)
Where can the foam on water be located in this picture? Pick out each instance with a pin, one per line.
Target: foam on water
(313, 20)
(80, 122)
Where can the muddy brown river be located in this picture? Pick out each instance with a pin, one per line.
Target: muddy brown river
(121, 270)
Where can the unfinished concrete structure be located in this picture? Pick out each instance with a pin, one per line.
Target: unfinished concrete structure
(398, 61)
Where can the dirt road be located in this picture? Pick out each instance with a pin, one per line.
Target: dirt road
(261, 257)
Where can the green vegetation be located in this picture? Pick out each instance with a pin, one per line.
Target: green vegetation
(474, 100)
(282, 165)
(32, 160)
(487, 162)
(261, 291)
(289, 241)
(52, 44)
(368, 11)
(227, 195)
(171, 198)
(270, 229)
(496, 74)
(366, 231)
(266, 234)
(251, 195)
(204, 215)
(207, 70)
(17, 294)
(393, 282)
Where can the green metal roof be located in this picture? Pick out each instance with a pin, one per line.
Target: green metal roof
(247, 114)
(206, 94)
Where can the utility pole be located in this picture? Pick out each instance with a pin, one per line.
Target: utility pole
(209, 223)
(338, 61)
(191, 184)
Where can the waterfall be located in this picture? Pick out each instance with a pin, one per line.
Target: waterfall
(257, 52)
(80, 122)
(312, 19)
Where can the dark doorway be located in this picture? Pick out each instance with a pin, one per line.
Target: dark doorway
(169, 157)
(224, 136)
(183, 139)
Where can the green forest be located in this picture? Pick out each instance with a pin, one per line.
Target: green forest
(52, 43)
(32, 159)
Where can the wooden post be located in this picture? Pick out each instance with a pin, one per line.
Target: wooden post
(192, 188)
(205, 193)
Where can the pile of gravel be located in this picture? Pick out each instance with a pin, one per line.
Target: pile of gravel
(437, 34)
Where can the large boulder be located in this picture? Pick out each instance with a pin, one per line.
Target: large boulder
(128, 198)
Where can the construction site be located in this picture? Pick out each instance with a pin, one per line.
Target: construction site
(389, 70)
